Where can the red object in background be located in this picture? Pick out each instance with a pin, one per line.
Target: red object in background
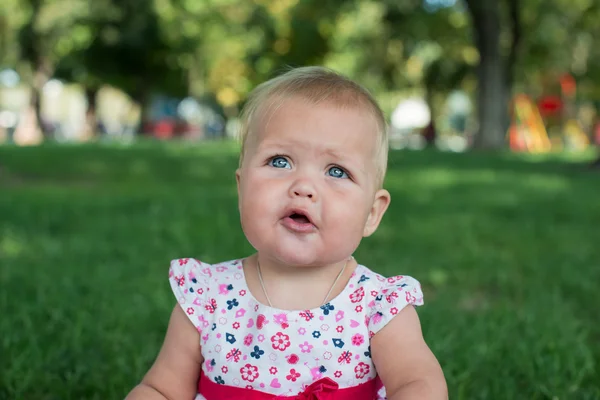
(550, 105)
(568, 85)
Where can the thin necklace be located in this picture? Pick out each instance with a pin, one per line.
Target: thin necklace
(262, 284)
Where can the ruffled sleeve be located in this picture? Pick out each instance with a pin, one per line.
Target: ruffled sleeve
(189, 281)
(394, 294)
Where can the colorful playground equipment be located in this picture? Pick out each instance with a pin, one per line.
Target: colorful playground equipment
(548, 125)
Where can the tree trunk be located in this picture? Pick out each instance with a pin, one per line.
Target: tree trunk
(90, 128)
(31, 128)
(493, 88)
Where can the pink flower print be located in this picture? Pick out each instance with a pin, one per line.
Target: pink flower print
(393, 311)
(180, 280)
(316, 373)
(293, 375)
(301, 331)
(361, 370)
(224, 369)
(249, 387)
(207, 272)
(346, 357)
(357, 295)
(358, 309)
(233, 355)
(209, 365)
(236, 325)
(249, 372)
(221, 268)
(248, 339)
(190, 310)
(358, 339)
(327, 355)
(281, 319)
(261, 338)
(339, 329)
(211, 307)
(337, 374)
(376, 318)
(242, 292)
(410, 298)
(223, 289)
(307, 315)
(273, 370)
(281, 341)
(374, 293)
(200, 290)
(305, 347)
(183, 261)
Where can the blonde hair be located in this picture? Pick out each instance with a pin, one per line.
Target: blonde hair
(315, 85)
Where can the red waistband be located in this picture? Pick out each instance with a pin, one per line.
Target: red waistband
(323, 389)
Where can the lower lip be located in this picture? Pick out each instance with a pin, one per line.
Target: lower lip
(297, 226)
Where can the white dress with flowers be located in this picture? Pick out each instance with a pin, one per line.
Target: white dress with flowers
(279, 353)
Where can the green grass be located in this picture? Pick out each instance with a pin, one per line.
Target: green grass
(507, 249)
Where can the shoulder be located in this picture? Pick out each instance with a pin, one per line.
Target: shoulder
(184, 269)
(191, 280)
(387, 296)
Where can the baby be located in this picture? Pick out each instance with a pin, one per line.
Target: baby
(300, 319)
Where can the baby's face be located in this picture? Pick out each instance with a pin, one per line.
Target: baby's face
(307, 183)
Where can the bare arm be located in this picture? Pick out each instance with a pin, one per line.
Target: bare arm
(404, 362)
(175, 373)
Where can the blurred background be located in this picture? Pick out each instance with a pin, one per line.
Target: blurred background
(117, 121)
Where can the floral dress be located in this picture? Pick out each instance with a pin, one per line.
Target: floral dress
(254, 351)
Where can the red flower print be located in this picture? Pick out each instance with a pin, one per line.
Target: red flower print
(337, 374)
(293, 375)
(346, 357)
(183, 261)
(390, 297)
(374, 293)
(358, 339)
(180, 280)
(242, 292)
(339, 329)
(361, 370)
(358, 309)
(248, 339)
(211, 306)
(410, 298)
(224, 369)
(393, 311)
(307, 315)
(249, 372)
(249, 387)
(281, 341)
(200, 291)
(357, 295)
(236, 325)
(190, 310)
(273, 370)
(234, 355)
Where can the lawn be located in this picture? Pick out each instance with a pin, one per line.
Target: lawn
(507, 249)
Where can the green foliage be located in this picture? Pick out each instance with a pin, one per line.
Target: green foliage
(505, 247)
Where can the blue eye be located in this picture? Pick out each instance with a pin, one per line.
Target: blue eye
(279, 162)
(337, 172)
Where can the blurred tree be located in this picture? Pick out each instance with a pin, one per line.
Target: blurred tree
(53, 29)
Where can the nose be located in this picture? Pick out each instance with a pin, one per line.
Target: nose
(303, 188)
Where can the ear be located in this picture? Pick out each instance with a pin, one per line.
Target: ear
(380, 204)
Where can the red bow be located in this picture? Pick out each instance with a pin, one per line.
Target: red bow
(323, 389)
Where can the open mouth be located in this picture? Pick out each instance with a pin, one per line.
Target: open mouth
(300, 218)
